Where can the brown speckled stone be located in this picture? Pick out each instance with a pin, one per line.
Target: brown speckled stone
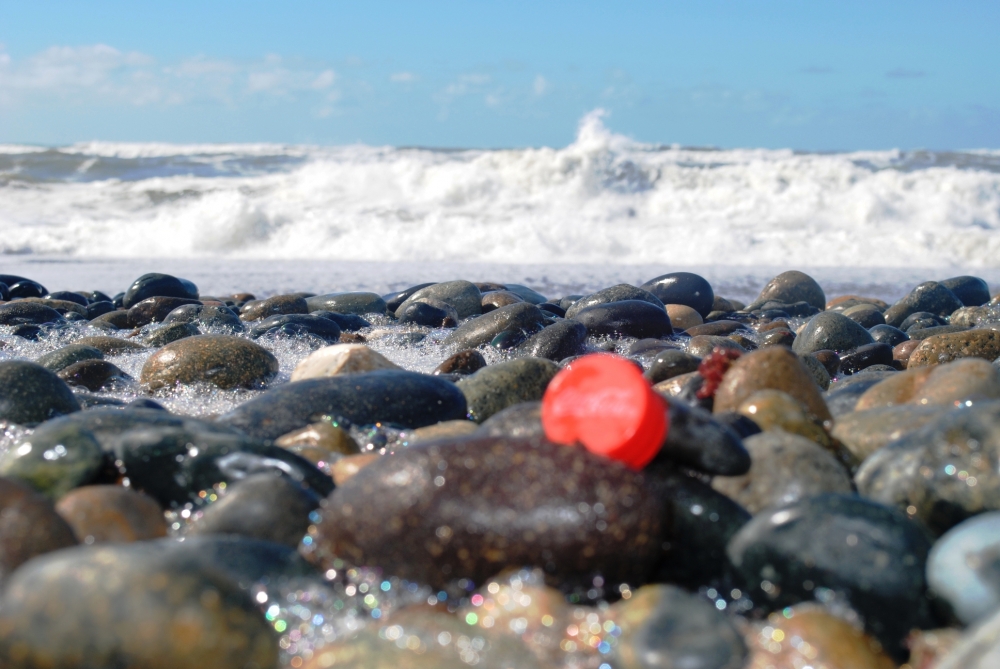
(223, 360)
(774, 368)
(279, 304)
(947, 347)
(112, 514)
(29, 526)
(115, 319)
(130, 605)
(472, 507)
(92, 374)
(901, 352)
(111, 345)
(896, 389)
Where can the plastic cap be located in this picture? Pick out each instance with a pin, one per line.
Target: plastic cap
(604, 402)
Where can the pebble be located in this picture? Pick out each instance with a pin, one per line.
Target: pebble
(627, 318)
(819, 371)
(158, 285)
(209, 316)
(971, 290)
(266, 506)
(887, 334)
(462, 295)
(100, 514)
(716, 328)
(830, 331)
(498, 298)
(619, 293)
(696, 440)
(340, 359)
(31, 394)
(667, 628)
(463, 362)
(772, 368)
(129, 605)
(322, 436)
(431, 315)
(407, 399)
(292, 325)
(221, 360)
(29, 527)
(154, 310)
(670, 363)
(943, 348)
(865, 315)
(522, 318)
(700, 346)
(359, 303)
(863, 432)
(868, 355)
(563, 339)
(872, 556)
(111, 345)
(683, 317)
(504, 384)
(786, 468)
(257, 310)
(55, 458)
(394, 300)
(777, 410)
(446, 430)
(468, 509)
(790, 287)
(807, 635)
(65, 356)
(30, 313)
(683, 288)
(94, 375)
(941, 473)
(170, 333)
(962, 564)
(527, 294)
(929, 296)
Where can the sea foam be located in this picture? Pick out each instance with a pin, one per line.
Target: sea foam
(604, 199)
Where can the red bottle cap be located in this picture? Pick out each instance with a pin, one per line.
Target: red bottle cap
(604, 402)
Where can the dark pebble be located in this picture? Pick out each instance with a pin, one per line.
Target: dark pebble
(28, 313)
(556, 342)
(854, 361)
(29, 526)
(407, 399)
(421, 313)
(295, 325)
(357, 303)
(31, 394)
(154, 310)
(619, 293)
(523, 317)
(929, 296)
(830, 331)
(670, 363)
(170, 332)
(67, 355)
(158, 285)
(970, 290)
(504, 384)
(94, 375)
(222, 360)
(683, 288)
(629, 318)
(789, 288)
(394, 300)
(887, 334)
(463, 362)
(279, 304)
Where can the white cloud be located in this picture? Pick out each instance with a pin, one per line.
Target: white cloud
(102, 74)
(402, 77)
(541, 85)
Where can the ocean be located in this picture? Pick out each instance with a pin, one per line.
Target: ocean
(605, 209)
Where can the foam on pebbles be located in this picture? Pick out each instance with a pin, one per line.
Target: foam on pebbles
(361, 480)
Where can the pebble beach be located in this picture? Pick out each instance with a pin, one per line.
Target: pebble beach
(268, 477)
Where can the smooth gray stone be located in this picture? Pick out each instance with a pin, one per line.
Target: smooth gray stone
(359, 303)
(833, 331)
(971, 290)
(516, 421)
(482, 330)
(791, 287)
(462, 295)
(629, 318)
(158, 285)
(31, 394)
(407, 399)
(527, 294)
(622, 291)
(683, 288)
(696, 440)
(67, 355)
(964, 567)
(929, 296)
(563, 339)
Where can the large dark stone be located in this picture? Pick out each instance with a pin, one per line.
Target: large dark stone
(462, 295)
(29, 526)
(702, 521)
(130, 605)
(394, 300)
(31, 394)
(523, 317)
(871, 555)
(403, 398)
(421, 313)
(563, 339)
(865, 356)
(473, 507)
(683, 288)
(629, 318)
(158, 285)
(830, 331)
(517, 421)
(94, 375)
(55, 458)
(971, 290)
(670, 363)
(30, 313)
(619, 293)
(887, 334)
(929, 296)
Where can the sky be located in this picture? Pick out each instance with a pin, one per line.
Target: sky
(809, 75)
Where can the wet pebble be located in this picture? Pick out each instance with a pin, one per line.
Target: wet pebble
(504, 384)
(29, 526)
(627, 318)
(111, 514)
(31, 394)
(221, 360)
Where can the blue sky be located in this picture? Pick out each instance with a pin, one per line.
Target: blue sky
(808, 75)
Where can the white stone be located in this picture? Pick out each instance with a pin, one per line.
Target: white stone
(341, 359)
